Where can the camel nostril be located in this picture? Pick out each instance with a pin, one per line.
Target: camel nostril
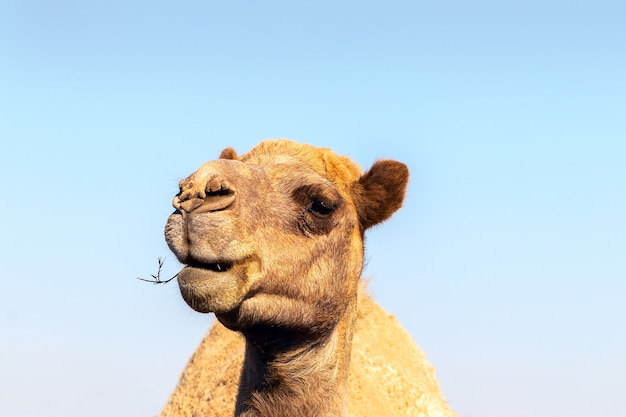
(215, 201)
(204, 191)
(223, 190)
(218, 186)
(218, 200)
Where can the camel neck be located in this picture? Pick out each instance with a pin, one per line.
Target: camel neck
(307, 379)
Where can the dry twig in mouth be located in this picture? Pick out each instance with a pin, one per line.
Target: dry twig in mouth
(157, 278)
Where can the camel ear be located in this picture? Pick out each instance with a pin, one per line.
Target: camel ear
(229, 153)
(380, 192)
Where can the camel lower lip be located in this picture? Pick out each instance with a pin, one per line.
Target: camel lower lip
(211, 287)
(214, 273)
(217, 287)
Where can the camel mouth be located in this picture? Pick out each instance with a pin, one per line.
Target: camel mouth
(219, 266)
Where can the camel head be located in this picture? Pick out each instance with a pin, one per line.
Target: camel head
(274, 238)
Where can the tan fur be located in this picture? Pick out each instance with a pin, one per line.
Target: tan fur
(274, 246)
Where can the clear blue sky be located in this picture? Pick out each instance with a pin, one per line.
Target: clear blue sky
(507, 263)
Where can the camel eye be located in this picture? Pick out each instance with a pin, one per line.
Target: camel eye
(321, 208)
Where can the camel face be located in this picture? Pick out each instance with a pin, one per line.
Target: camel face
(275, 238)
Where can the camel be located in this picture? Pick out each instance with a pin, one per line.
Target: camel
(272, 244)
